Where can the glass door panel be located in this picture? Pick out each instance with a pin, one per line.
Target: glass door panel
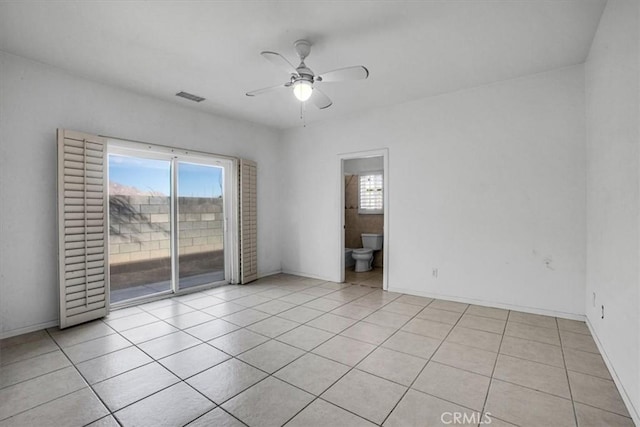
(200, 220)
(139, 226)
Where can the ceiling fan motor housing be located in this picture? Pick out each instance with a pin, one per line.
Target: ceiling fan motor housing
(304, 73)
(302, 48)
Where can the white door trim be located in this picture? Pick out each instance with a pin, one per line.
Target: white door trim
(384, 153)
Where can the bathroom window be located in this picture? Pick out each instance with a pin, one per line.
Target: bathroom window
(370, 194)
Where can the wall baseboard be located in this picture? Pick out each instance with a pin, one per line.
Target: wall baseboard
(532, 310)
(268, 273)
(27, 329)
(310, 276)
(635, 415)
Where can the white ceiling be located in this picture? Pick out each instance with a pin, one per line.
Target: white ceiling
(412, 49)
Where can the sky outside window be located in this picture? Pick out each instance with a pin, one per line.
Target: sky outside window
(139, 176)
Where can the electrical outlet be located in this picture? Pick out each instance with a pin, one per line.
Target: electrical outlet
(594, 299)
(603, 312)
(435, 273)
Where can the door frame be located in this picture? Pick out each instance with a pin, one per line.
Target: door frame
(230, 224)
(230, 210)
(384, 153)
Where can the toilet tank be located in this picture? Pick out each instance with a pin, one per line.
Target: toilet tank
(372, 241)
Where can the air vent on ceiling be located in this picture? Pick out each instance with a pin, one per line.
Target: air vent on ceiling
(190, 96)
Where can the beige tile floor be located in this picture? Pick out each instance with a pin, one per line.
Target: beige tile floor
(372, 278)
(301, 352)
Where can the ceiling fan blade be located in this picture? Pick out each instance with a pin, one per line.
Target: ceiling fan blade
(279, 61)
(320, 100)
(267, 89)
(357, 72)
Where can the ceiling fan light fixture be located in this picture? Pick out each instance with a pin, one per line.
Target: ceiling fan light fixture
(302, 78)
(302, 89)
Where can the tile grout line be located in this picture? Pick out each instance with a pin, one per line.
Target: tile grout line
(428, 361)
(493, 371)
(217, 407)
(52, 400)
(566, 372)
(304, 351)
(204, 342)
(342, 376)
(316, 397)
(339, 334)
(120, 332)
(40, 375)
(154, 360)
(86, 382)
(27, 358)
(181, 380)
(605, 410)
(37, 376)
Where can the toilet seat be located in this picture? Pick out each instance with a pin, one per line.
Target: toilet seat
(363, 251)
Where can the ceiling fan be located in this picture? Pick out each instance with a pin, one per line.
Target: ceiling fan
(303, 80)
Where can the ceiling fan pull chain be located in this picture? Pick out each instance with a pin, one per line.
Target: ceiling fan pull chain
(303, 117)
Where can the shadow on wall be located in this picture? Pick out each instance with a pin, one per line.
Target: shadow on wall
(355, 223)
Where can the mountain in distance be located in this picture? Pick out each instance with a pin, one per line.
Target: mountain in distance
(117, 189)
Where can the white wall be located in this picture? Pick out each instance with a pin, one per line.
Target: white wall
(613, 193)
(487, 185)
(35, 100)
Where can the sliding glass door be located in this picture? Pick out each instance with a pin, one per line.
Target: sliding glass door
(139, 226)
(167, 222)
(200, 224)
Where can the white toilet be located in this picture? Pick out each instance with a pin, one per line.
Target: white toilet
(364, 255)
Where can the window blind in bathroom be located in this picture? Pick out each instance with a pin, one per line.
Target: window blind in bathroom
(248, 221)
(371, 197)
(82, 228)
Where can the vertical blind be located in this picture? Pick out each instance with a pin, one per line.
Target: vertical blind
(248, 221)
(82, 222)
(371, 199)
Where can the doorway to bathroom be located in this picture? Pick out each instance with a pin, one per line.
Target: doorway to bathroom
(364, 239)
